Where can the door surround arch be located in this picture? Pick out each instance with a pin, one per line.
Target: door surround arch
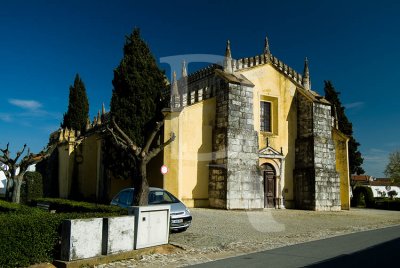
(276, 160)
(269, 183)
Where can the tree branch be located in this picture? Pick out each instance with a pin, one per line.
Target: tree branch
(31, 158)
(6, 153)
(3, 160)
(158, 149)
(20, 153)
(151, 138)
(117, 140)
(125, 137)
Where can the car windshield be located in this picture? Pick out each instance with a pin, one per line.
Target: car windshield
(161, 197)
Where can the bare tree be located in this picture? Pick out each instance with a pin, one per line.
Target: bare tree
(15, 171)
(141, 155)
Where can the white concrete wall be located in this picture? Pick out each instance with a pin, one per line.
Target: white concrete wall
(81, 239)
(118, 234)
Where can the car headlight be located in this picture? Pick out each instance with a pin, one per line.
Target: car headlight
(187, 211)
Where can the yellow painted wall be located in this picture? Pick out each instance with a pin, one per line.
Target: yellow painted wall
(66, 163)
(272, 86)
(189, 155)
(87, 165)
(154, 176)
(171, 153)
(342, 166)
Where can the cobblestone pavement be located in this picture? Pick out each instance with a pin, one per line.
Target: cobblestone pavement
(217, 234)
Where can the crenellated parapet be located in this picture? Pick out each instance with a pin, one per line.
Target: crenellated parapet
(201, 84)
(194, 88)
(262, 59)
(203, 73)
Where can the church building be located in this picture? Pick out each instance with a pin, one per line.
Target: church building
(250, 134)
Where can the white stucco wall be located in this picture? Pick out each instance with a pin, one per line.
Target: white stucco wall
(377, 190)
(3, 179)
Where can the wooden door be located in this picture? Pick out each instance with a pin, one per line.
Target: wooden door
(269, 187)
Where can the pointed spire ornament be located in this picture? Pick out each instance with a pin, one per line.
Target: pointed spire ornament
(306, 76)
(228, 58)
(228, 53)
(98, 118)
(174, 85)
(184, 70)
(103, 110)
(266, 46)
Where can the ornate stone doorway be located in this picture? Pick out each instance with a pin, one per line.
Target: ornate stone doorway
(272, 167)
(269, 176)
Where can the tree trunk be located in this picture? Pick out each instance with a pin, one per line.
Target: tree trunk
(141, 186)
(16, 197)
(9, 189)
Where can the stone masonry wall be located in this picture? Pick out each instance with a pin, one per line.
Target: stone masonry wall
(244, 182)
(218, 167)
(327, 180)
(317, 183)
(304, 173)
(235, 182)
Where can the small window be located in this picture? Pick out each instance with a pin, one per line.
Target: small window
(161, 197)
(265, 116)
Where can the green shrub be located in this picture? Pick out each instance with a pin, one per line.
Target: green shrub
(363, 197)
(27, 239)
(389, 204)
(66, 206)
(392, 193)
(32, 187)
(8, 207)
(29, 235)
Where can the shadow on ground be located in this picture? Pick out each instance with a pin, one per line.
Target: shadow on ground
(382, 255)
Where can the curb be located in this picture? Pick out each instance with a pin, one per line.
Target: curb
(104, 259)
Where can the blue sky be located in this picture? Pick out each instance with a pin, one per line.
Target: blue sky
(43, 44)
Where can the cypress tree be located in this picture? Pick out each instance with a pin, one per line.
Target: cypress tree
(78, 107)
(137, 87)
(136, 105)
(346, 127)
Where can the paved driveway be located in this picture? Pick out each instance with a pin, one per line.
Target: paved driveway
(227, 230)
(375, 248)
(217, 234)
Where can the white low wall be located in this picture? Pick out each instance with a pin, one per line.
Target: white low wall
(118, 234)
(81, 239)
(88, 238)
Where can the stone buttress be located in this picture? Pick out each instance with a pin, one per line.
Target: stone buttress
(317, 183)
(235, 181)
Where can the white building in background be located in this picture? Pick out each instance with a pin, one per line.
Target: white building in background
(382, 191)
(3, 179)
